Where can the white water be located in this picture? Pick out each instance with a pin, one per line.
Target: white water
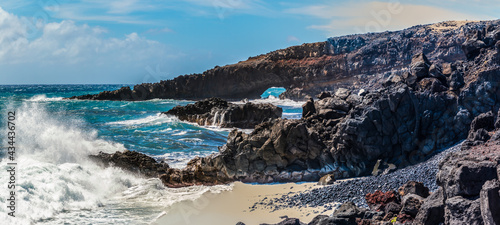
(275, 101)
(56, 183)
(149, 120)
(44, 98)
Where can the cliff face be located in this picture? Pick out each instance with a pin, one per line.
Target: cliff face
(415, 113)
(353, 61)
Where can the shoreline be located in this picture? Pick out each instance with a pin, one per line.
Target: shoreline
(241, 204)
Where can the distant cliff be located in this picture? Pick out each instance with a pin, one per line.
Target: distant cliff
(349, 61)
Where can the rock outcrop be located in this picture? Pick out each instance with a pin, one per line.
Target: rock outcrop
(215, 111)
(352, 61)
(398, 121)
(132, 161)
(412, 116)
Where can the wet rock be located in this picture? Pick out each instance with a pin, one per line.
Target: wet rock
(218, 112)
(132, 161)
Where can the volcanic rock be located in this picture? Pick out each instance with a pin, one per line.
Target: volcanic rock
(215, 111)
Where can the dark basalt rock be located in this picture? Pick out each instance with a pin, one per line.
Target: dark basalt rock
(413, 187)
(132, 161)
(215, 111)
(400, 124)
(309, 69)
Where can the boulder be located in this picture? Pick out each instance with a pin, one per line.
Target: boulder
(459, 210)
(485, 121)
(327, 179)
(308, 108)
(420, 66)
(378, 200)
(432, 210)
(410, 204)
(414, 187)
(324, 94)
(490, 202)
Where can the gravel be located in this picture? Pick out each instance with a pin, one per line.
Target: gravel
(354, 190)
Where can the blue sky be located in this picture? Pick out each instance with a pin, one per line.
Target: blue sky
(132, 41)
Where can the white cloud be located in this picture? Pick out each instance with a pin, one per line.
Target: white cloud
(66, 46)
(351, 17)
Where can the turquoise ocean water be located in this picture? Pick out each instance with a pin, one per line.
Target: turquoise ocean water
(55, 181)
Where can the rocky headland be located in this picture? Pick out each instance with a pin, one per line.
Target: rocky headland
(218, 112)
(353, 61)
(392, 100)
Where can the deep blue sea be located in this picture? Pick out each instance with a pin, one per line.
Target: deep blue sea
(55, 181)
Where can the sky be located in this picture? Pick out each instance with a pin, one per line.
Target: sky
(137, 41)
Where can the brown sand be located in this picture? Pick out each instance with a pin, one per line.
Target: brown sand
(230, 207)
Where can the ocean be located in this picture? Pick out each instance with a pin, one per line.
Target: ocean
(55, 181)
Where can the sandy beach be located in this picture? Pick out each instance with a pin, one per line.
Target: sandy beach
(228, 208)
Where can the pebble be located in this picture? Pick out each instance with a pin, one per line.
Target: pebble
(355, 190)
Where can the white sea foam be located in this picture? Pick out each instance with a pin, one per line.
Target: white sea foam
(56, 183)
(275, 101)
(44, 98)
(149, 120)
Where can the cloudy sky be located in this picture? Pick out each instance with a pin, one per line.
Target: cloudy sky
(132, 41)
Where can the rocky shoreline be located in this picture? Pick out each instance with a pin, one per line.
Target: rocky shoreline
(463, 180)
(399, 118)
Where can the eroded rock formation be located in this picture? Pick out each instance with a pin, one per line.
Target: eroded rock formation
(352, 61)
(215, 111)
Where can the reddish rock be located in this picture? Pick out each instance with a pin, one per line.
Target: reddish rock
(378, 200)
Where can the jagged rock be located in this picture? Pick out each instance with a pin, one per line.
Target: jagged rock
(327, 179)
(215, 111)
(308, 108)
(378, 200)
(435, 71)
(460, 210)
(132, 161)
(324, 94)
(472, 47)
(410, 204)
(420, 66)
(490, 202)
(465, 178)
(484, 120)
(432, 210)
(349, 210)
(413, 187)
(342, 93)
